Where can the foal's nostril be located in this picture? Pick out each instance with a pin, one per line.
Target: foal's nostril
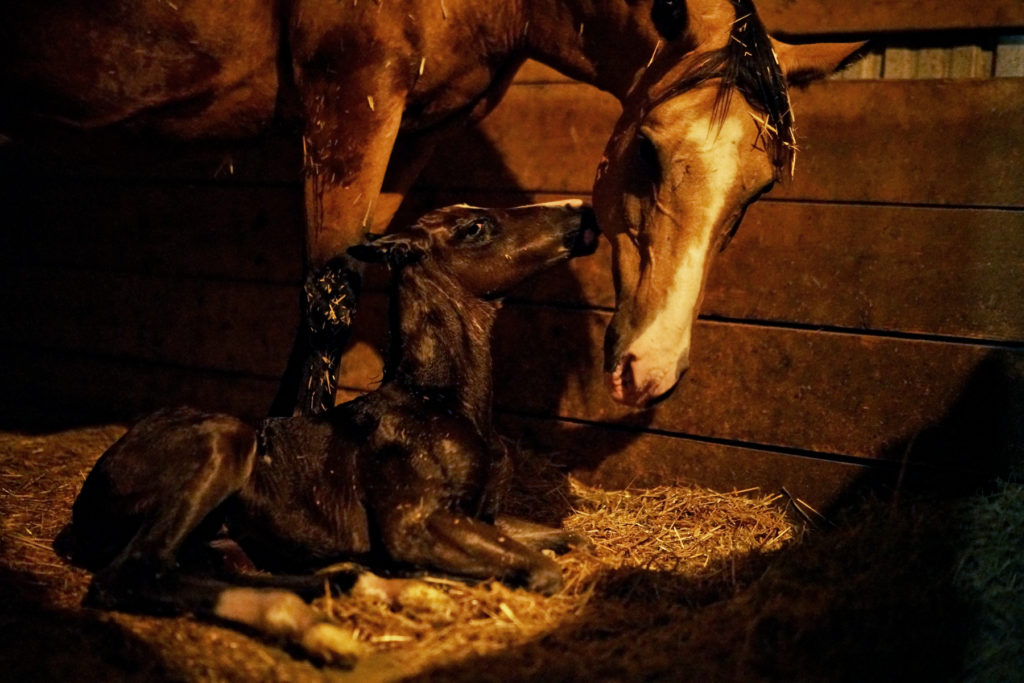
(588, 219)
(583, 241)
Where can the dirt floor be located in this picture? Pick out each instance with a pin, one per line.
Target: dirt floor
(682, 584)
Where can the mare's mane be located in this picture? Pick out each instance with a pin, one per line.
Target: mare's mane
(748, 64)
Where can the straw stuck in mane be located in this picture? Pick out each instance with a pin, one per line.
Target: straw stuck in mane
(747, 63)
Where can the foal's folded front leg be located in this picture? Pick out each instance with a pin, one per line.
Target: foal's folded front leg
(541, 537)
(458, 544)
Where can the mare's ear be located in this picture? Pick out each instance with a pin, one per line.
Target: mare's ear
(805, 63)
(396, 249)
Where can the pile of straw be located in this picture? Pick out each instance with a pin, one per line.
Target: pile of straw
(682, 583)
(676, 545)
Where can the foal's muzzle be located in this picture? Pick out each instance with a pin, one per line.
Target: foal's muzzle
(583, 240)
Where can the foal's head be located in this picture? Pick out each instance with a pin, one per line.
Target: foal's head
(488, 251)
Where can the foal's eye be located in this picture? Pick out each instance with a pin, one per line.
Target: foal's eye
(474, 228)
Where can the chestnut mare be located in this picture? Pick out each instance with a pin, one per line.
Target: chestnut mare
(377, 84)
(684, 161)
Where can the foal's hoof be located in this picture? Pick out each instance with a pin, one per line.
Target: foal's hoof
(332, 645)
(578, 541)
(564, 541)
(410, 595)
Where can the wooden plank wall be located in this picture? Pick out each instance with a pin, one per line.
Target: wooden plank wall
(866, 314)
(137, 275)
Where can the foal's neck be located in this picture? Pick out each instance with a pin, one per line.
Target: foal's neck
(441, 341)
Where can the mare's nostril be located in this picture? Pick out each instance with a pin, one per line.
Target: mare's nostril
(626, 375)
(621, 381)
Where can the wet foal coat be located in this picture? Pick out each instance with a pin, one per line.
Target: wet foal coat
(406, 476)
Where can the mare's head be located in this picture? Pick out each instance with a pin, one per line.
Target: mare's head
(706, 129)
(489, 251)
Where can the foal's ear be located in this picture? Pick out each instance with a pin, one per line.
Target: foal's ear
(397, 249)
(805, 63)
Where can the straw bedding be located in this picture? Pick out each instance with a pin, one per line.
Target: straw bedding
(682, 584)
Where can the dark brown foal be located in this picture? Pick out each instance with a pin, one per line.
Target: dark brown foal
(403, 477)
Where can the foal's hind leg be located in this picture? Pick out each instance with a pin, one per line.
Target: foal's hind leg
(161, 481)
(156, 486)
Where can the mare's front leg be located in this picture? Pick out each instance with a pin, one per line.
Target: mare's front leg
(352, 117)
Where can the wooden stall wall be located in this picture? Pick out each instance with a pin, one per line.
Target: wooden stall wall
(867, 322)
(867, 314)
(142, 274)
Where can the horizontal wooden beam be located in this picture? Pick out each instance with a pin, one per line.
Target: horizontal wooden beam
(241, 327)
(85, 386)
(615, 458)
(942, 142)
(943, 272)
(811, 17)
(271, 159)
(236, 232)
(848, 394)
(934, 142)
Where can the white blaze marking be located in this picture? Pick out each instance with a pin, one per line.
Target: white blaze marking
(664, 343)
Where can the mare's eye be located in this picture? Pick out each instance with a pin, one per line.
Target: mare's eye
(669, 17)
(647, 158)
